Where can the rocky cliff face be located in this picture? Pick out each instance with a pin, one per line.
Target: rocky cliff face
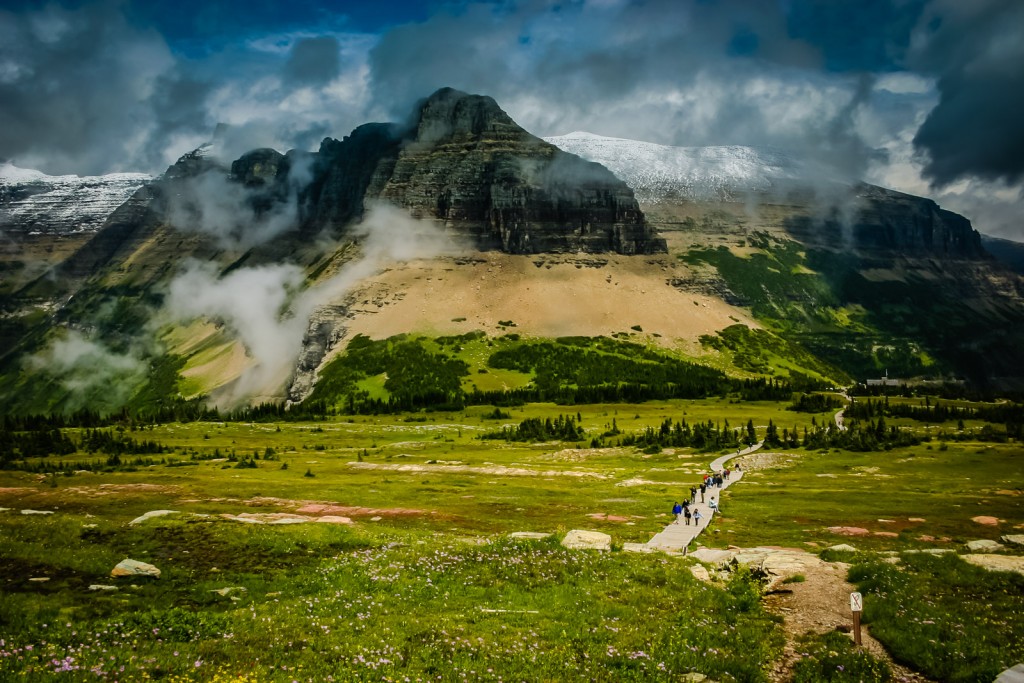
(465, 163)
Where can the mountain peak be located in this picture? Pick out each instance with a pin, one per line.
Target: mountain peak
(449, 112)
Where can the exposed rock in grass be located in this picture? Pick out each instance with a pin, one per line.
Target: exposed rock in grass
(1013, 539)
(984, 546)
(712, 555)
(135, 568)
(637, 548)
(605, 517)
(334, 519)
(930, 551)
(885, 534)
(37, 512)
(40, 579)
(700, 572)
(227, 590)
(578, 539)
(986, 520)
(849, 530)
(842, 548)
(532, 535)
(916, 519)
(151, 515)
(102, 587)
(997, 563)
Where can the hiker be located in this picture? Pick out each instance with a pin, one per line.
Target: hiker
(693, 494)
(713, 505)
(686, 505)
(687, 514)
(677, 510)
(697, 517)
(703, 488)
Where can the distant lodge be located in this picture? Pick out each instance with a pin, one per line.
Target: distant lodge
(884, 381)
(888, 381)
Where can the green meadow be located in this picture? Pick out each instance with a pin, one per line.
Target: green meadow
(426, 582)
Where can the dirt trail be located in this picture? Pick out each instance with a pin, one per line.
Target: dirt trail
(818, 605)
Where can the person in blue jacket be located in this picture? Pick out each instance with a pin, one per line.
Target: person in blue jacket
(677, 510)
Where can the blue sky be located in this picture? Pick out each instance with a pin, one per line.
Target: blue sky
(925, 96)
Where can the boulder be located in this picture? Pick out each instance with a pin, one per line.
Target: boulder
(578, 539)
(700, 572)
(1013, 539)
(984, 546)
(986, 520)
(134, 568)
(151, 515)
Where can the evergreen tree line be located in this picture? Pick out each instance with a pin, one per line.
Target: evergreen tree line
(703, 436)
(533, 429)
(45, 441)
(1010, 415)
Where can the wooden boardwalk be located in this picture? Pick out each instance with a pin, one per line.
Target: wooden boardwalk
(678, 535)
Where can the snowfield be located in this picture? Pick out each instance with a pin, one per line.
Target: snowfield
(33, 202)
(659, 172)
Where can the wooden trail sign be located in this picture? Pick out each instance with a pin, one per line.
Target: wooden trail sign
(856, 606)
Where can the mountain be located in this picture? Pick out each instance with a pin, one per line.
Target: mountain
(245, 280)
(865, 277)
(663, 176)
(1007, 251)
(45, 218)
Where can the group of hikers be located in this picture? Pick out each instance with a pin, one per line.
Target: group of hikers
(682, 511)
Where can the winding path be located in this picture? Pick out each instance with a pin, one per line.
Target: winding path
(677, 535)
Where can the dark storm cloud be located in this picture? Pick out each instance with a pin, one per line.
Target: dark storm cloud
(684, 73)
(83, 91)
(977, 51)
(313, 61)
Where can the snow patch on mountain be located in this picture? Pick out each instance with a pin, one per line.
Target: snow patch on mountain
(662, 172)
(33, 202)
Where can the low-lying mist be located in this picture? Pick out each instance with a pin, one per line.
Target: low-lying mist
(268, 308)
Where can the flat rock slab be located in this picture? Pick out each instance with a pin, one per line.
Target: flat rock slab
(930, 551)
(984, 546)
(997, 563)
(531, 535)
(37, 512)
(135, 568)
(1013, 539)
(102, 587)
(1014, 675)
(637, 548)
(577, 539)
(712, 555)
(849, 530)
(334, 519)
(227, 590)
(151, 515)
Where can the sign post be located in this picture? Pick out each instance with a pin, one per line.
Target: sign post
(856, 605)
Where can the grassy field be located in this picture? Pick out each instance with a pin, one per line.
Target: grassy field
(425, 582)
